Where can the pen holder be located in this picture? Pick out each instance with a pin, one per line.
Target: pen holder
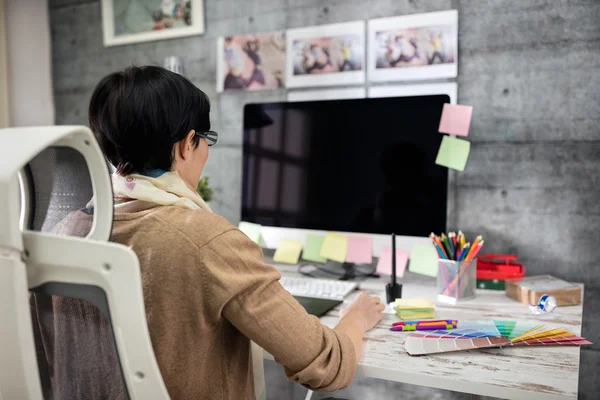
(456, 280)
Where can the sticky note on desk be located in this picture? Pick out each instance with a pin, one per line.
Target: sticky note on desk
(312, 249)
(288, 251)
(384, 266)
(413, 304)
(456, 119)
(424, 260)
(360, 250)
(453, 153)
(251, 230)
(334, 247)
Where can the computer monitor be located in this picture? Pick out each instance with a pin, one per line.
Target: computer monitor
(356, 166)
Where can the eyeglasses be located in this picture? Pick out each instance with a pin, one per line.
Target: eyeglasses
(210, 136)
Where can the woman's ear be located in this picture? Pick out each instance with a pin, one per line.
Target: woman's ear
(186, 146)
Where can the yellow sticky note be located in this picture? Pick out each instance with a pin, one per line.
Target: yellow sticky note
(334, 247)
(288, 251)
(412, 317)
(453, 153)
(424, 260)
(409, 304)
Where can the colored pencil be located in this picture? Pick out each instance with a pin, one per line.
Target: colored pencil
(444, 240)
(439, 243)
(474, 252)
(464, 252)
(473, 247)
(451, 245)
(462, 239)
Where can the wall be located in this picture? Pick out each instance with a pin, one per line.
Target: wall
(529, 68)
(29, 66)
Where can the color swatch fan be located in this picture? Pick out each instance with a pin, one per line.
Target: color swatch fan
(489, 333)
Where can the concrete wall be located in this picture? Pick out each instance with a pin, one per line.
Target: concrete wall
(529, 68)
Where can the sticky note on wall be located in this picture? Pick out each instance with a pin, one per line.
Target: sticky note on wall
(384, 265)
(334, 247)
(312, 249)
(251, 230)
(360, 250)
(424, 260)
(453, 153)
(288, 251)
(456, 119)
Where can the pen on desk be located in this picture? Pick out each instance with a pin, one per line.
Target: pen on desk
(439, 321)
(404, 328)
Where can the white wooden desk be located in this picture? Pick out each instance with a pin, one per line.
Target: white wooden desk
(512, 373)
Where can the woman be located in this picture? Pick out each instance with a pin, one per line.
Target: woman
(207, 291)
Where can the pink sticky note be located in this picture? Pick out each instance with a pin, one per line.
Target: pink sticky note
(456, 119)
(384, 266)
(360, 250)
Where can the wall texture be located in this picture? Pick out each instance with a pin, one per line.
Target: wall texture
(529, 68)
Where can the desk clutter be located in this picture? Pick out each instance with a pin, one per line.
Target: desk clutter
(412, 309)
(483, 334)
(342, 248)
(456, 278)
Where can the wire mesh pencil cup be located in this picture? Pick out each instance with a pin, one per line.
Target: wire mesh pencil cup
(456, 280)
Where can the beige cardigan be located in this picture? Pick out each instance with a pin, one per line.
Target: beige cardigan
(207, 292)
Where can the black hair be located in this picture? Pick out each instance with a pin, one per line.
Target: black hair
(138, 114)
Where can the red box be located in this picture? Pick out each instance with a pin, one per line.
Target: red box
(499, 267)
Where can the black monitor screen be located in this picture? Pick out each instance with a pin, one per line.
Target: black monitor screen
(364, 165)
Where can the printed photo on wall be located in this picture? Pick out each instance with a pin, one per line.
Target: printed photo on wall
(413, 47)
(251, 62)
(326, 55)
(134, 21)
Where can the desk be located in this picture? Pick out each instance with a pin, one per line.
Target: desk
(512, 373)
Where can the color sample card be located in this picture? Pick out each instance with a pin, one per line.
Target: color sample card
(360, 250)
(384, 266)
(424, 260)
(312, 249)
(334, 247)
(288, 251)
(453, 153)
(251, 230)
(456, 119)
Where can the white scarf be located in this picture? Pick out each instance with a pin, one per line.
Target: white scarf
(136, 192)
(139, 192)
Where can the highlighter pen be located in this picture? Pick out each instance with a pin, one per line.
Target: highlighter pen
(405, 328)
(439, 321)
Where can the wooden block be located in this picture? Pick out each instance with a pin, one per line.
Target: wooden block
(529, 290)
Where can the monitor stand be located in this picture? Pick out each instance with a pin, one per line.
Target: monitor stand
(349, 271)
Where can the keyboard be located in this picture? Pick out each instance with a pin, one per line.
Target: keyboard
(317, 288)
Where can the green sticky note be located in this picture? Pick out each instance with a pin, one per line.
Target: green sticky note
(312, 249)
(251, 230)
(424, 260)
(288, 251)
(334, 247)
(453, 153)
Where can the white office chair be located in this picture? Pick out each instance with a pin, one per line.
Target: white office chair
(44, 176)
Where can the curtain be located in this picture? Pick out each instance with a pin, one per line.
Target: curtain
(29, 60)
(4, 111)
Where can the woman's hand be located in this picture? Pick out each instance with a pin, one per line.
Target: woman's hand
(365, 310)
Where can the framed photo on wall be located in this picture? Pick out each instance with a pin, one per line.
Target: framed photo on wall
(251, 62)
(326, 55)
(135, 21)
(413, 47)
